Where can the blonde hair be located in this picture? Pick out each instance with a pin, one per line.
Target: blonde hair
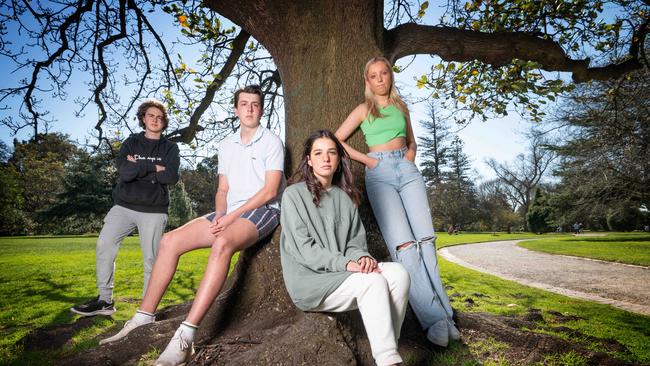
(393, 96)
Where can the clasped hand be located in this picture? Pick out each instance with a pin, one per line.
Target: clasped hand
(220, 223)
(131, 158)
(364, 265)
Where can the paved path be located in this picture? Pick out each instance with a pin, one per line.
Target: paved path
(623, 286)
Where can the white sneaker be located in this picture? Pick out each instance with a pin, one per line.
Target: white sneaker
(128, 327)
(179, 350)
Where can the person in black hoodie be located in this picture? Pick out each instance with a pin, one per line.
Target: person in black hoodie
(148, 163)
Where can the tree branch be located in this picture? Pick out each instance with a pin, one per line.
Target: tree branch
(73, 18)
(238, 46)
(104, 69)
(498, 49)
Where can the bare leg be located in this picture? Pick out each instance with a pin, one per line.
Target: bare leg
(239, 235)
(193, 235)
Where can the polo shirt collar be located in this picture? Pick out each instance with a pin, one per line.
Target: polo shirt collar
(258, 135)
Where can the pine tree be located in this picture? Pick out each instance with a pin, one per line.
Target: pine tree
(539, 213)
(180, 206)
(434, 147)
(454, 199)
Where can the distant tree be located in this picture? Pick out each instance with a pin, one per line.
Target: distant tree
(459, 165)
(433, 146)
(453, 200)
(41, 170)
(605, 157)
(494, 211)
(539, 214)
(624, 216)
(567, 209)
(5, 153)
(86, 196)
(180, 206)
(201, 185)
(523, 176)
(13, 220)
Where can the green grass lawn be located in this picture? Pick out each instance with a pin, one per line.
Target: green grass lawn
(497, 296)
(600, 321)
(42, 277)
(631, 248)
(445, 239)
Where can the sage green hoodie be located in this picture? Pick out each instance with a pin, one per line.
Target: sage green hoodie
(317, 243)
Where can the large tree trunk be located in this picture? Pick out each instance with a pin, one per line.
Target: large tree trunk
(254, 321)
(320, 48)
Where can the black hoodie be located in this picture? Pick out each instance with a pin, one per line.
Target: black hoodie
(141, 188)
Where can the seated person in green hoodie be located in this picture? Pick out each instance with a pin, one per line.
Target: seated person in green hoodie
(325, 260)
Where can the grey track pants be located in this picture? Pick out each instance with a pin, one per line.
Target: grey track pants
(118, 223)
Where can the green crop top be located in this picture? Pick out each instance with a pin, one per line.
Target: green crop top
(384, 129)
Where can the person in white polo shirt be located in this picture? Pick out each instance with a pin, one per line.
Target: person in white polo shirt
(247, 204)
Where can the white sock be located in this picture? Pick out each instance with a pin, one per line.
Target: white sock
(142, 317)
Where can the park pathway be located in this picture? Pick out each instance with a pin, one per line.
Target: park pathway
(620, 285)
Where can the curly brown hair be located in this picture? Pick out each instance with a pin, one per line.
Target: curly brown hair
(142, 109)
(342, 176)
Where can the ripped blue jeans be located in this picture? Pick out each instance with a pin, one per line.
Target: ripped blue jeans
(399, 201)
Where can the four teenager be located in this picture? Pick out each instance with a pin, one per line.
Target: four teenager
(324, 254)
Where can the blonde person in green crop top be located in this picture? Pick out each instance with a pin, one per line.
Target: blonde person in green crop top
(398, 196)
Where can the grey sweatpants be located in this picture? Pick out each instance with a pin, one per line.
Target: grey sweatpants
(118, 223)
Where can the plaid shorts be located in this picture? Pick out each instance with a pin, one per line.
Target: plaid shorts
(265, 219)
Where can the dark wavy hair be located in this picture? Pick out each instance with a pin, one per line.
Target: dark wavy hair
(142, 110)
(342, 175)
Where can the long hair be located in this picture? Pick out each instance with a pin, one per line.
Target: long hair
(393, 95)
(342, 175)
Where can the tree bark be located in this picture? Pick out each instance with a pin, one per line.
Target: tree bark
(320, 48)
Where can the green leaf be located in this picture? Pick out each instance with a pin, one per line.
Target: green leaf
(421, 82)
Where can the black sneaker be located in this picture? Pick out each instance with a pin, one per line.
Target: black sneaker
(94, 307)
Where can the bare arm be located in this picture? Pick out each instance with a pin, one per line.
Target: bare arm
(220, 198)
(346, 130)
(410, 140)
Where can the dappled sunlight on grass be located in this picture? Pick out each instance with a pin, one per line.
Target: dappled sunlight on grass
(42, 277)
(472, 291)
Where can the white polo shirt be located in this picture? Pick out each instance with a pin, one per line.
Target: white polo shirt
(245, 165)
